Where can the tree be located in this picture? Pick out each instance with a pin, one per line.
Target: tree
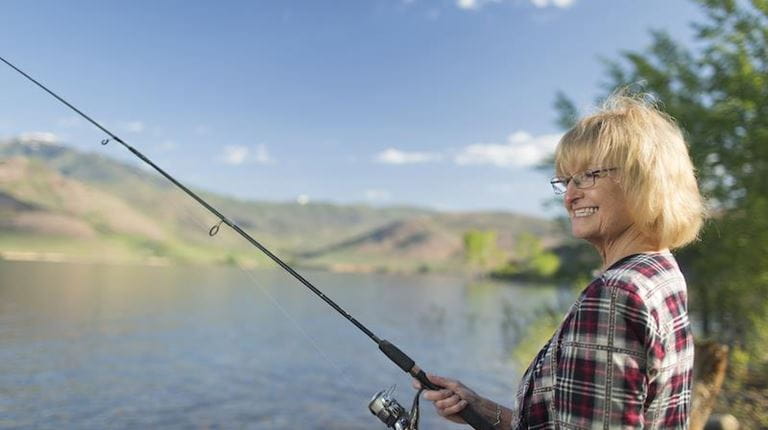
(531, 260)
(481, 249)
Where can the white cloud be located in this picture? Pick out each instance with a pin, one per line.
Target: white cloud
(477, 4)
(396, 156)
(375, 195)
(521, 150)
(37, 137)
(474, 4)
(262, 155)
(239, 154)
(556, 3)
(302, 199)
(235, 154)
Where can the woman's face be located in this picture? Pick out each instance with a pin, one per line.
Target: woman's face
(600, 213)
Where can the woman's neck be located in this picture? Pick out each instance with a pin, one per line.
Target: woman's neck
(629, 242)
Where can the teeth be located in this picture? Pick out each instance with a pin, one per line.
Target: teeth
(584, 212)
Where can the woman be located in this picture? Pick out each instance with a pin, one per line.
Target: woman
(623, 355)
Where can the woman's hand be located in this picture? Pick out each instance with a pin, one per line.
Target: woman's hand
(451, 399)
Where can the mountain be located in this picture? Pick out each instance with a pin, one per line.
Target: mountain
(62, 203)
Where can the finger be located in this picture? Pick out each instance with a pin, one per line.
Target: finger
(443, 382)
(448, 406)
(435, 395)
(455, 409)
(448, 401)
(416, 384)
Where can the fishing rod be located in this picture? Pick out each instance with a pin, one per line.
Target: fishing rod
(382, 405)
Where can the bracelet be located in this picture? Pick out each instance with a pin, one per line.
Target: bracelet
(498, 416)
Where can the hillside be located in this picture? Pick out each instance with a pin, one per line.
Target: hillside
(65, 204)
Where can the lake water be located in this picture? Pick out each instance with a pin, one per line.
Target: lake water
(113, 347)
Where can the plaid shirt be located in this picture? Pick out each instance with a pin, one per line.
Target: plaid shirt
(621, 358)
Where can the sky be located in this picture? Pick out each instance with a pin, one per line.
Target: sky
(444, 104)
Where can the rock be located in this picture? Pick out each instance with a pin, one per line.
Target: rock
(722, 422)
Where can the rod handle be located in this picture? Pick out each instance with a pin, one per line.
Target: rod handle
(403, 361)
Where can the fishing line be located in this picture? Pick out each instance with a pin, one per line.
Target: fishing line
(401, 359)
(336, 366)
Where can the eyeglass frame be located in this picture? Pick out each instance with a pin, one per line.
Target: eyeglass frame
(592, 174)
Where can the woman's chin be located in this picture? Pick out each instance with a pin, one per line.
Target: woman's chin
(588, 234)
(579, 230)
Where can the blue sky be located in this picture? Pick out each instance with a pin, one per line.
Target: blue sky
(437, 103)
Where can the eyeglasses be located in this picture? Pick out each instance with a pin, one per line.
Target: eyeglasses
(581, 180)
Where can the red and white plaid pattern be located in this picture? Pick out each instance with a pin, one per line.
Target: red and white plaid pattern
(621, 358)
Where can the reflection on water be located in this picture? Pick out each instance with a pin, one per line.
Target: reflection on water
(91, 346)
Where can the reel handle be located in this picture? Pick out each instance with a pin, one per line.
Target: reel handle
(403, 361)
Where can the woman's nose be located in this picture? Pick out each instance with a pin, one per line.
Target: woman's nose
(571, 193)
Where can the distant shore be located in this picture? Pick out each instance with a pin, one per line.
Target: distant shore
(59, 257)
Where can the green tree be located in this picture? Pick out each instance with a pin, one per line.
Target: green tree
(531, 260)
(718, 92)
(481, 248)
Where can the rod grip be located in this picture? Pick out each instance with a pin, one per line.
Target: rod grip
(396, 355)
(403, 361)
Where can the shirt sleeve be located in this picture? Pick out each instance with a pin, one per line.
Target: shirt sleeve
(601, 378)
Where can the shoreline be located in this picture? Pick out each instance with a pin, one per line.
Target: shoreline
(60, 257)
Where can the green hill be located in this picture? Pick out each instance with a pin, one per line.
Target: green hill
(58, 203)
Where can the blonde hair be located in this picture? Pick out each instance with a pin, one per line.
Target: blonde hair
(654, 168)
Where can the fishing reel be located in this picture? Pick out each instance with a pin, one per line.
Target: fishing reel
(392, 413)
